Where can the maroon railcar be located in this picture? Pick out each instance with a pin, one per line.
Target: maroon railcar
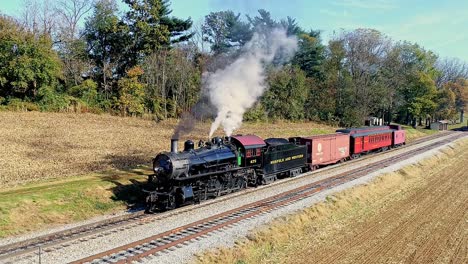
(325, 149)
(399, 136)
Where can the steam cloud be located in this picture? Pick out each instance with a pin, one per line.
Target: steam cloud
(234, 89)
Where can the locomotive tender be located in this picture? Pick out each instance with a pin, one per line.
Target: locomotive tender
(226, 165)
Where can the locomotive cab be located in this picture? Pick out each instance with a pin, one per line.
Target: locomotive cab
(249, 148)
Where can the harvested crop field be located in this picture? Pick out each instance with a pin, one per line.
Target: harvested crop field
(35, 145)
(416, 215)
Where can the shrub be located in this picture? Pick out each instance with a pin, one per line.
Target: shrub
(256, 113)
(16, 104)
(86, 91)
(51, 100)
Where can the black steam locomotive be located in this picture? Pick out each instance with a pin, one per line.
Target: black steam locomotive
(219, 167)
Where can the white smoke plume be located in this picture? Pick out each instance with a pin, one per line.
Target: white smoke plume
(234, 89)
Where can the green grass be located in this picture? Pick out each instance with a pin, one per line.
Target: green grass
(455, 126)
(37, 205)
(414, 133)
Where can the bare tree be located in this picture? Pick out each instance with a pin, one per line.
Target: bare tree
(199, 38)
(172, 80)
(71, 12)
(30, 15)
(71, 46)
(39, 17)
(451, 69)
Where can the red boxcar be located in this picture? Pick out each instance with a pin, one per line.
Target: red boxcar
(325, 149)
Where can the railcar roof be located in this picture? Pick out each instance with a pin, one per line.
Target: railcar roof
(338, 134)
(250, 141)
(373, 133)
(351, 129)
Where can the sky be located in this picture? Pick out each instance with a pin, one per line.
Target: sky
(440, 26)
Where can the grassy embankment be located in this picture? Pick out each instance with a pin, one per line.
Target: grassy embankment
(59, 168)
(33, 206)
(417, 214)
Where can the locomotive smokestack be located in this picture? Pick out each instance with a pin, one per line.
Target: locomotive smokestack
(174, 143)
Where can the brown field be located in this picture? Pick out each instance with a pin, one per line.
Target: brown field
(36, 145)
(416, 215)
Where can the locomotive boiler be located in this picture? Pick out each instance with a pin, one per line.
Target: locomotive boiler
(215, 168)
(191, 163)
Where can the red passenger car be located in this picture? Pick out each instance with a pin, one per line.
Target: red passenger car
(325, 149)
(366, 139)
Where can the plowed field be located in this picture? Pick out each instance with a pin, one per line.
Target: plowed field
(428, 226)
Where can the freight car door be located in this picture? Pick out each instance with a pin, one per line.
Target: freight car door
(332, 149)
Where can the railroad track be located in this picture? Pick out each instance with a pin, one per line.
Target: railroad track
(90, 231)
(154, 245)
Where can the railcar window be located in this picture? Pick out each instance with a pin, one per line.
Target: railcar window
(248, 153)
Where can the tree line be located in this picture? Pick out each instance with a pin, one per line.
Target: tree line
(146, 62)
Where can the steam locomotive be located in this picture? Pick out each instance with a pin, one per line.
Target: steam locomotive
(219, 167)
(226, 165)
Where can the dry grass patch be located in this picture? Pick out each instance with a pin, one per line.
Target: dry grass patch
(36, 145)
(356, 225)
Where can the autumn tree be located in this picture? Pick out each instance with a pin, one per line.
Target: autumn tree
(445, 100)
(39, 17)
(365, 51)
(450, 70)
(131, 93)
(460, 90)
(173, 81)
(419, 91)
